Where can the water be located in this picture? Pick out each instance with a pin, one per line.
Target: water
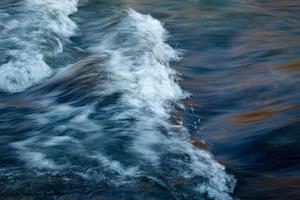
(149, 99)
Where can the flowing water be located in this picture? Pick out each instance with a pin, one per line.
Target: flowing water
(149, 99)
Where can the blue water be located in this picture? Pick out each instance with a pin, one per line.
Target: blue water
(149, 99)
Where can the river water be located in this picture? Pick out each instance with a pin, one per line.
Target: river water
(149, 99)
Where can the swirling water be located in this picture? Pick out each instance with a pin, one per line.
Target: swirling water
(113, 99)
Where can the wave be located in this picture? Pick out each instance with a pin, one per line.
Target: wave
(31, 31)
(113, 118)
(139, 69)
(110, 114)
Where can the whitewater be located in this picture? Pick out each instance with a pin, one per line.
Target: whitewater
(102, 113)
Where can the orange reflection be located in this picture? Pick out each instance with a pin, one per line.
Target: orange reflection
(259, 116)
(294, 65)
(199, 144)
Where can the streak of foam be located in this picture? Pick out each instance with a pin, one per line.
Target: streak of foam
(33, 32)
(140, 71)
(57, 14)
(126, 132)
(37, 158)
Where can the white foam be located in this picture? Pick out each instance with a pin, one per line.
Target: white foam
(27, 32)
(57, 140)
(140, 64)
(21, 73)
(56, 14)
(116, 166)
(139, 69)
(37, 158)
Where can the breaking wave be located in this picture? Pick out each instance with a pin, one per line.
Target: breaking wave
(29, 36)
(109, 116)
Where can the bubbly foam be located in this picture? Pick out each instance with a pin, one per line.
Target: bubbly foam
(33, 32)
(124, 130)
(139, 68)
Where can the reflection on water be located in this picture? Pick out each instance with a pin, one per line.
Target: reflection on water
(262, 115)
(240, 63)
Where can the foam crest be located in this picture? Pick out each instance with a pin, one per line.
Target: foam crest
(57, 14)
(140, 70)
(121, 127)
(33, 32)
(140, 63)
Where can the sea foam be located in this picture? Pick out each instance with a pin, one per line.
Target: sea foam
(28, 36)
(124, 130)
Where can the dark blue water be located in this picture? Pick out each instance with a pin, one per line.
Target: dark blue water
(149, 99)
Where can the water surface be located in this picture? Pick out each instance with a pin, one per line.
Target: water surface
(149, 99)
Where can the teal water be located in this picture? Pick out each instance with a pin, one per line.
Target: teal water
(149, 99)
